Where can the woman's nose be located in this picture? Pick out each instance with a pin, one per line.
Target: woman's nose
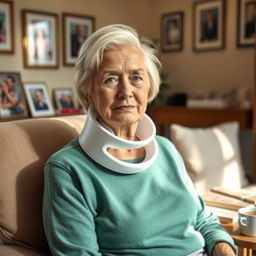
(125, 89)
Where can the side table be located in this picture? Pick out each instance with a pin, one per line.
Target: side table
(245, 244)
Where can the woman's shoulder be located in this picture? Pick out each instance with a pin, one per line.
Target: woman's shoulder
(66, 153)
(165, 143)
(167, 149)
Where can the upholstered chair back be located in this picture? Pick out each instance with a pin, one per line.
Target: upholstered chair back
(25, 146)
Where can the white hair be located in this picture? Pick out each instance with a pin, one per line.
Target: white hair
(91, 55)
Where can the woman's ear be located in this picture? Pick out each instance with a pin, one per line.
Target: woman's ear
(89, 99)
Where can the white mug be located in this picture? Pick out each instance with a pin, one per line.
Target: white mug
(247, 221)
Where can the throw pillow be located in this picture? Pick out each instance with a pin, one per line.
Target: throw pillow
(211, 155)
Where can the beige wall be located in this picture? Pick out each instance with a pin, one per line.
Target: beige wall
(203, 72)
(188, 71)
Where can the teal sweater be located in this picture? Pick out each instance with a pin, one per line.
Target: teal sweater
(90, 210)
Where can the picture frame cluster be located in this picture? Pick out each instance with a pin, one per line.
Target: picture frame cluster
(23, 99)
(41, 37)
(209, 26)
(40, 47)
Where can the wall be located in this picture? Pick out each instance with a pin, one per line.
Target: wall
(203, 72)
(105, 12)
(188, 71)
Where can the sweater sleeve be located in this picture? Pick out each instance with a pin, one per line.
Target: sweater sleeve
(209, 226)
(207, 223)
(68, 221)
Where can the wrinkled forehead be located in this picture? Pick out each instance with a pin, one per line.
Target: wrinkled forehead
(130, 56)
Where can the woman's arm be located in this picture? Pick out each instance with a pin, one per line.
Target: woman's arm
(68, 221)
(217, 241)
(222, 249)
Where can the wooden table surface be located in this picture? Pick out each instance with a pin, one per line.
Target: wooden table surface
(245, 243)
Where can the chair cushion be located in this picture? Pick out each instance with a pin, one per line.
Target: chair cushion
(10, 250)
(25, 147)
(211, 155)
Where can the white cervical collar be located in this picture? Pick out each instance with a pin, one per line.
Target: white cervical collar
(95, 139)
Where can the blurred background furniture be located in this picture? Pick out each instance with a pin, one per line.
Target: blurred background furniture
(25, 147)
(211, 155)
(196, 130)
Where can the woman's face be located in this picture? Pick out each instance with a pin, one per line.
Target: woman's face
(120, 88)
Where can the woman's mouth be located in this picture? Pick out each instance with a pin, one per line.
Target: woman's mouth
(125, 107)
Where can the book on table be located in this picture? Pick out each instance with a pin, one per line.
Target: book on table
(225, 203)
(241, 194)
(224, 215)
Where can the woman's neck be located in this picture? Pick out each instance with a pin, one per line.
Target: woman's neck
(127, 153)
(128, 133)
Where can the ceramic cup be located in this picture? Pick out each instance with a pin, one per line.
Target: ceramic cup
(247, 221)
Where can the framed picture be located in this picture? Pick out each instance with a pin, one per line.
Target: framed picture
(64, 101)
(12, 99)
(39, 39)
(208, 25)
(172, 31)
(246, 23)
(64, 98)
(76, 29)
(6, 27)
(38, 99)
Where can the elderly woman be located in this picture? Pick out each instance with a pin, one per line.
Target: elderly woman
(118, 189)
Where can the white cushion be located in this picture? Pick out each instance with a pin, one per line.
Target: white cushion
(211, 155)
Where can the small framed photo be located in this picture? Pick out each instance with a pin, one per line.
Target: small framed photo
(6, 27)
(64, 101)
(246, 23)
(172, 31)
(12, 99)
(76, 29)
(64, 98)
(40, 39)
(208, 25)
(38, 99)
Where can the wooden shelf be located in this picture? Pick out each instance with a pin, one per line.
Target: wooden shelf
(199, 117)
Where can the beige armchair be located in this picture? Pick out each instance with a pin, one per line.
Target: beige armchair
(25, 146)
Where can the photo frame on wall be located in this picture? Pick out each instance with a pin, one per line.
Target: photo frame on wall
(40, 39)
(76, 29)
(172, 31)
(246, 23)
(6, 27)
(13, 103)
(208, 25)
(38, 99)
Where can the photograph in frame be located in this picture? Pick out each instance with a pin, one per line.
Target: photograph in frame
(13, 103)
(246, 23)
(6, 27)
(38, 99)
(172, 31)
(40, 39)
(65, 102)
(76, 29)
(209, 25)
(64, 98)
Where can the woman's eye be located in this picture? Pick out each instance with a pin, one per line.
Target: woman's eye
(137, 78)
(111, 80)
